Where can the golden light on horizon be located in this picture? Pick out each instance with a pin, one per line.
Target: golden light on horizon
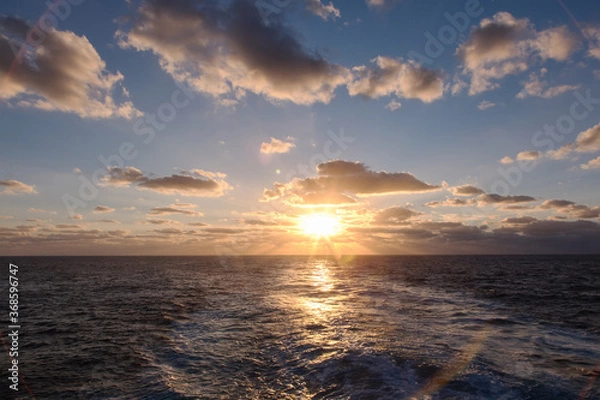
(319, 225)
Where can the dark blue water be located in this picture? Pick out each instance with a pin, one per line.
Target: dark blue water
(307, 328)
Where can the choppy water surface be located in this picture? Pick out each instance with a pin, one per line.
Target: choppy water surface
(309, 328)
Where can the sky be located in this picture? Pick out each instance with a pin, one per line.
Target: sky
(299, 127)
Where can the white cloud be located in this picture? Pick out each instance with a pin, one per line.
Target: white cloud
(504, 45)
(321, 10)
(587, 141)
(539, 88)
(63, 72)
(407, 80)
(528, 155)
(276, 146)
(393, 105)
(485, 104)
(592, 164)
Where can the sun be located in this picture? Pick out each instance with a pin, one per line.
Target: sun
(319, 225)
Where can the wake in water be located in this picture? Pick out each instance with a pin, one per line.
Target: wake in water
(297, 328)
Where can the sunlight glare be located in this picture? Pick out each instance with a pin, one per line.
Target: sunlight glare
(319, 225)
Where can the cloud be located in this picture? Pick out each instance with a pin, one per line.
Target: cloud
(592, 34)
(406, 80)
(172, 210)
(379, 3)
(276, 146)
(519, 220)
(197, 224)
(321, 10)
(394, 216)
(168, 231)
(587, 141)
(36, 210)
(465, 190)
(559, 228)
(12, 186)
(324, 198)
(507, 160)
(161, 221)
(61, 71)
(484, 105)
(572, 209)
(493, 198)
(67, 226)
(338, 177)
(103, 209)
(226, 51)
(77, 217)
(528, 155)
(260, 222)
(538, 88)
(450, 202)
(504, 45)
(196, 182)
(592, 164)
(393, 105)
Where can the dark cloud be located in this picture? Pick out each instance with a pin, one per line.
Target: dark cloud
(571, 209)
(227, 51)
(348, 178)
(160, 221)
(466, 190)
(194, 183)
(393, 216)
(103, 209)
(519, 220)
(171, 210)
(498, 199)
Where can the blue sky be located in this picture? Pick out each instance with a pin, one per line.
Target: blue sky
(442, 155)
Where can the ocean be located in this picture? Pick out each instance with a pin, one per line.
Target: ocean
(402, 327)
